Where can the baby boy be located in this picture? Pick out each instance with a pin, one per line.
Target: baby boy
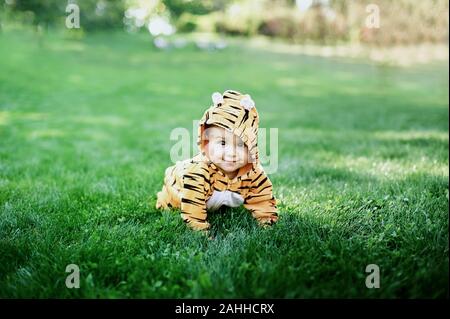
(227, 170)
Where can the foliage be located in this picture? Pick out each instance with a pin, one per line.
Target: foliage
(196, 7)
(401, 21)
(94, 14)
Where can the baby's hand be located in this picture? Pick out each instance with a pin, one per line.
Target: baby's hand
(207, 234)
(266, 223)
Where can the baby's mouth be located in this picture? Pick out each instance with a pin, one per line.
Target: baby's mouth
(229, 162)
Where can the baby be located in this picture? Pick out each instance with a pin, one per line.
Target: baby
(227, 169)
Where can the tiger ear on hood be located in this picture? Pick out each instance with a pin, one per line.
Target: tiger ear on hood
(217, 98)
(247, 102)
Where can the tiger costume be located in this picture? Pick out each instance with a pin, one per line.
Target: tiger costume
(197, 185)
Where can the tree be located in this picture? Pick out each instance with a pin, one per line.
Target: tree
(44, 11)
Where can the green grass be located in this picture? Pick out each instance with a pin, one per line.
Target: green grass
(84, 141)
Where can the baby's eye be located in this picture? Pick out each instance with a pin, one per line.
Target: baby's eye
(240, 144)
(222, 143)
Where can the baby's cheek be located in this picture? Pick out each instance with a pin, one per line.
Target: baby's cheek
(214, 152)
(208, 150)
(243, 157)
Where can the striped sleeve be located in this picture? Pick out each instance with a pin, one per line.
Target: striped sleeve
(260, 200)
(193, 204)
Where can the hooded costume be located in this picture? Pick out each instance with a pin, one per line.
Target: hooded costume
(197, 185)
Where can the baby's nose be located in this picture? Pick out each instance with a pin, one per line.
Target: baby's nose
(230, 152)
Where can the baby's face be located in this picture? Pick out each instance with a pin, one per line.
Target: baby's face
(226, 150)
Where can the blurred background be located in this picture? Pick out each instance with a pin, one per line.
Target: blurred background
(343, 24)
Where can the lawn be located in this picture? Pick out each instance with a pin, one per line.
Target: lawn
(85, 128)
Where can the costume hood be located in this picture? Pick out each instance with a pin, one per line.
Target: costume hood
(236, 112)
